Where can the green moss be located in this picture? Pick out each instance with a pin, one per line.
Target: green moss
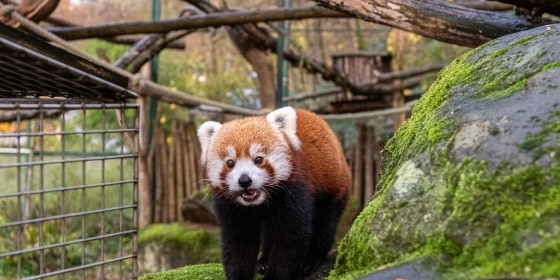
(531, 142)
(503, 220)
(175, 233)
(199, 244)
(211, 271)
(513, 205)
(498, 53)
(501, 86)
(524, 41)
(500, 223)
(500, 81)
(534, 142)
(426, 126)
(493, 130)
(550, 66)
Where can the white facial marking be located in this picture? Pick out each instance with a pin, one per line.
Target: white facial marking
(285, 120)
(254, 150)
(278, 159)
(214, 165)
(259, 177)
(206, 133)
(231, 153)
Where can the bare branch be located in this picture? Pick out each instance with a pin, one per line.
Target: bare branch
(302, 96)
(379, 89)
(485, 5)
(34, 10)
(124, 39)
(384, 77)
(211, 20)
(133, 39)
(373, 87)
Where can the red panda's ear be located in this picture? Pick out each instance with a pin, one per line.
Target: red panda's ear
(285, 120)
(205, 133)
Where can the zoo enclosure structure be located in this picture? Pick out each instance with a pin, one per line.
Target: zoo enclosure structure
(68, 163)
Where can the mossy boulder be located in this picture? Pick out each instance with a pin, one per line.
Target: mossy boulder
(168, 246)
(470, 186)
(211, 271)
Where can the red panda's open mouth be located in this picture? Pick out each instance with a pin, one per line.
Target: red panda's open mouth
(250, 194)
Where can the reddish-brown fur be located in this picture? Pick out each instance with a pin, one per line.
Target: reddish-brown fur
(321, 157)
(320, 161)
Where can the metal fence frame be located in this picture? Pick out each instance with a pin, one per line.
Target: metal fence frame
(55, 238)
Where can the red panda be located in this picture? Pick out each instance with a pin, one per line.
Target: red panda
(280, 184)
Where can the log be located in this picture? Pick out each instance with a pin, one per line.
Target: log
(439, 20)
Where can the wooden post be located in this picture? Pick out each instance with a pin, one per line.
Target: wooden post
(369, 180)
(376, 160)
(171, 179)
(194, 158)
(178, 142)
(357, 190)
(187, 162)
(162, 173)
(144, 170)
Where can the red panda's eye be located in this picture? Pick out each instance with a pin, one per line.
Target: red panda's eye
(230, 163)
(259, 160)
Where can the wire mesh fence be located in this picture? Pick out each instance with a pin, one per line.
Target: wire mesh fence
(68, 190)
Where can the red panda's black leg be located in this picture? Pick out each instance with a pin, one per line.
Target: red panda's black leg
(262, 262)
(327, 211)
(287, 233)
(240, 231)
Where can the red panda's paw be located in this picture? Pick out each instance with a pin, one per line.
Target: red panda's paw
(311, 267)
(262, 266)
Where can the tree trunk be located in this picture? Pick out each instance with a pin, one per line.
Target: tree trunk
(435, 19)
(258, 58)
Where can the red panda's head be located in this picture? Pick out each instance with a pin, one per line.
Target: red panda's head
(246, 159)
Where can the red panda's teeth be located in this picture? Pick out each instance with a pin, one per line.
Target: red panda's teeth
(250, 194)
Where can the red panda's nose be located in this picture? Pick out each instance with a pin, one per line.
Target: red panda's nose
(244, 181)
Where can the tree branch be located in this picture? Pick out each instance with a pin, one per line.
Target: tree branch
(435, 19)
(124, 39)
(210, 20)
(485, 5)
(384, 77)
(544, 6)
(379, 89)
(409, 76)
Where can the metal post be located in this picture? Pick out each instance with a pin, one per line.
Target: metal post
(281, 64)
(152, 108)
